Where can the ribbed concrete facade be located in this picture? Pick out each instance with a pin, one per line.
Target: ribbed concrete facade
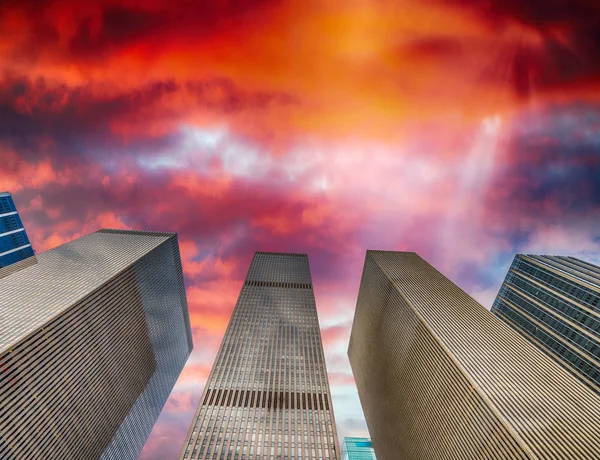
(94, 334)
(440, 377)
(555, 303)
(267, 396)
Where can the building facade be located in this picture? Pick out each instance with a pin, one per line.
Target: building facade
(267, 396)
(439, 376)
(14, 244)
(555, 303)
(358, 449)
(93, 336)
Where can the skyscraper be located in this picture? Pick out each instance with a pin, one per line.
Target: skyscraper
(555, 303)
(14, 244)
(267, 396)
(439, 376)
(93, 335)
(358, 449)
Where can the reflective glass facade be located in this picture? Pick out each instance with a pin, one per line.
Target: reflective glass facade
(441, 377)
(14, 244)
(268, 396)
(94, 335)
(358, 449)
(555, 303)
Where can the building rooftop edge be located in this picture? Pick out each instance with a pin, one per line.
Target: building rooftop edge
(135, 232)
(529, 254)
(282, 253)
(390, 251)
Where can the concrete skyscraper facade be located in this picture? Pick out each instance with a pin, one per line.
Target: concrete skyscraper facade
(267, 396)
(93, 336)
(439, 376)
(555, 303)
(14, 243)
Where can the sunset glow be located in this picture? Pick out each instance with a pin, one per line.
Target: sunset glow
(465, 131)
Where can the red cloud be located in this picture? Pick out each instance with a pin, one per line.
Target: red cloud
(324, 129)
(17, 173)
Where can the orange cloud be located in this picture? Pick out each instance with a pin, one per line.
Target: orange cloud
(358, 67)
(343, 126)
(17, 173)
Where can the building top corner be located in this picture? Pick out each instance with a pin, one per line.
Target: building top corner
(295, 254)
(136, 232)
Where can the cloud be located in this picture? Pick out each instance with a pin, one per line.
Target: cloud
(441, 47)
(355, 425)
(395, 199)
(551, 168)
(337, 378)
(106, 123)
(95, 30)
(336, 333)
(559, 45)
(462, 130)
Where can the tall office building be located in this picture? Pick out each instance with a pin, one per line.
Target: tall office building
(14, 244)
(358, 449)
(439, 376)
(93, 335)
(555, 303)
(267, 396)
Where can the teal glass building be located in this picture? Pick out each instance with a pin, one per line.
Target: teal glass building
(14, 244)
(358, 449)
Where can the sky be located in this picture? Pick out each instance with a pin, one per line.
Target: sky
(465, 131)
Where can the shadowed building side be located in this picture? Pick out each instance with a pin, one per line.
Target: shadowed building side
(439, 376)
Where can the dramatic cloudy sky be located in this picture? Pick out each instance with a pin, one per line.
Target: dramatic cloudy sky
(463, 130)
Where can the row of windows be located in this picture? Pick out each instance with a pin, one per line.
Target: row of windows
(10, 223)
(276, 454)
(6, 205)
(282, 255)
(229, 427)
(567, 288)
(581, 267)
(560, 327)
(277, 284)
(564, 308)
(16, 256)
(15, 239)
(259, 418)
(268, 399)
(552, 345)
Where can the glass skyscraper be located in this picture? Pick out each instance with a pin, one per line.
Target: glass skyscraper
(93, 336)
(555, 303)
(441, 377)
(267, 396)
(358, 449)
(14, 244)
